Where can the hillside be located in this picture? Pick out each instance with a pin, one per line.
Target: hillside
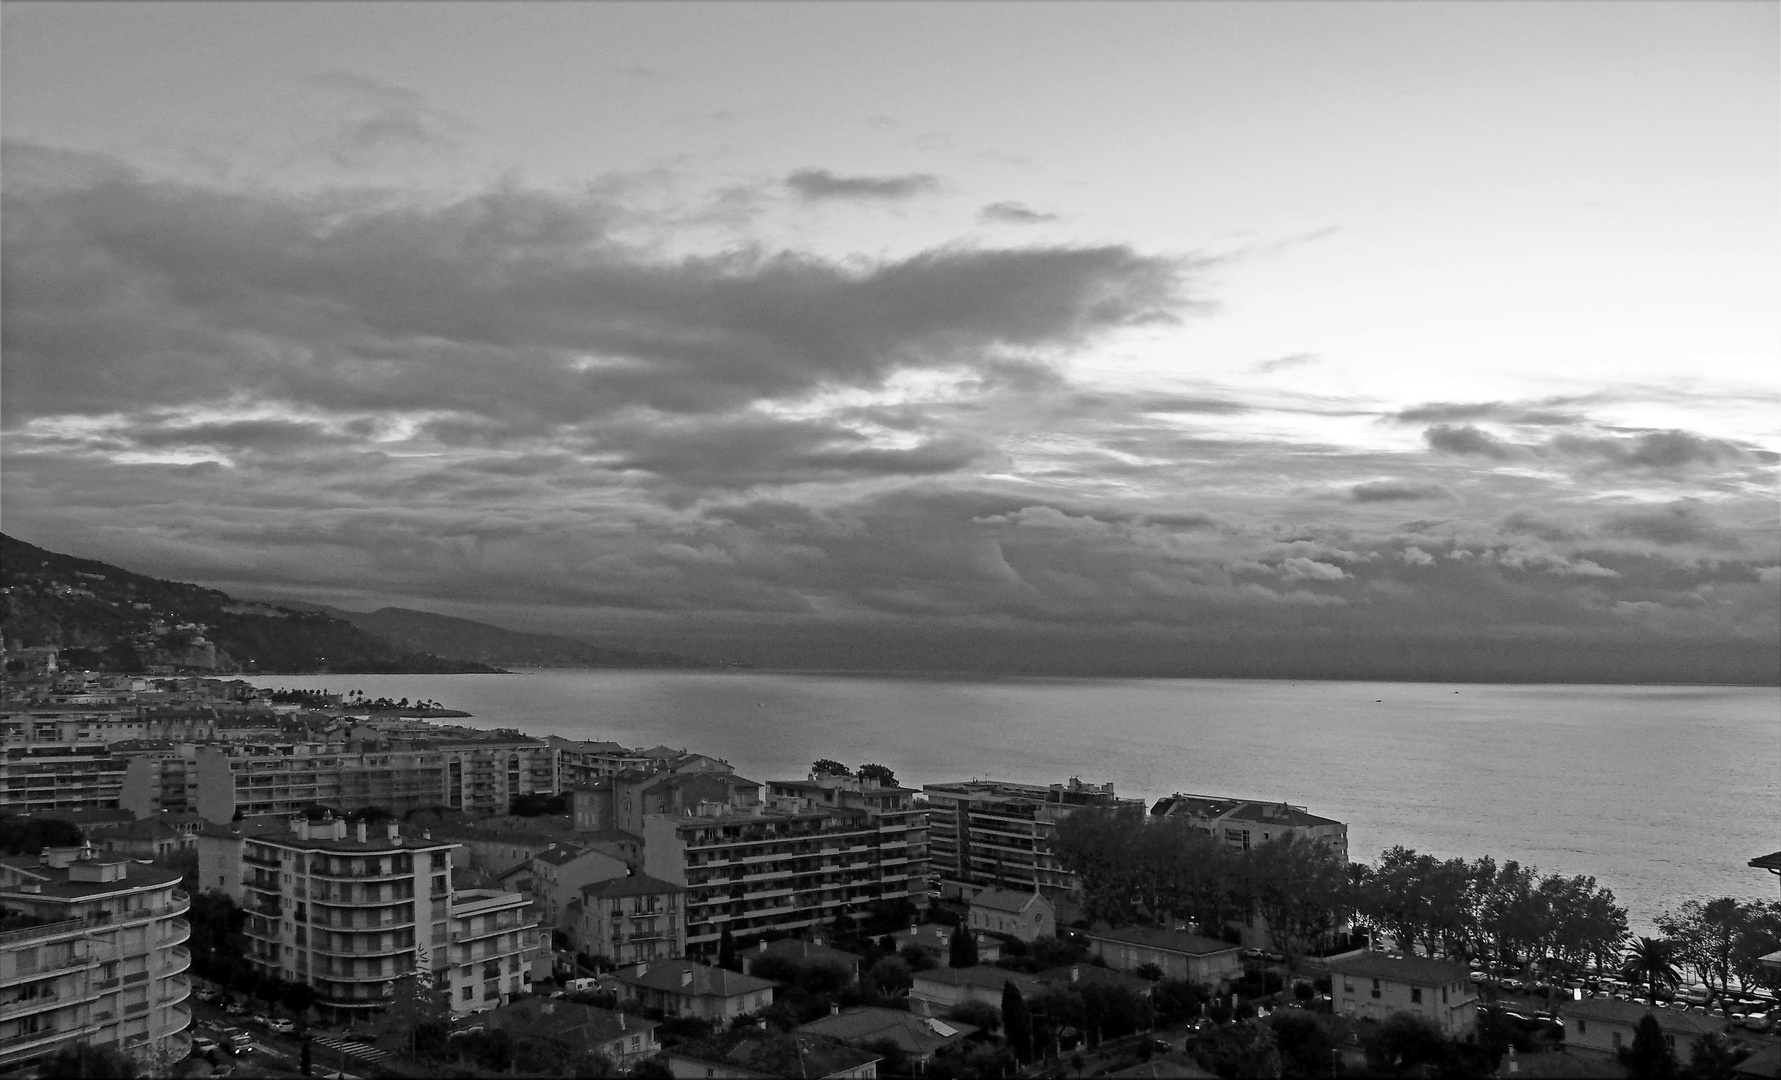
(465, 639)
(106, 618)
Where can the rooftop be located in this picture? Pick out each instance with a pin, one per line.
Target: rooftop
(1768, 862)
(1165, 940)
(1007, 900)
(1414, 970)
(985, 975)
(58, 883)
(801, 951)
(915, 1035)
(1631, 1012)
(777, 1054)
(705, 981)
(634, 885)
(563, 1021)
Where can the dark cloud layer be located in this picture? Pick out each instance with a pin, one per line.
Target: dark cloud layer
(819, 184)
(505, 405)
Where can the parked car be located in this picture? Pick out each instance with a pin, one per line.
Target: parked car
(203, 1044)
(282, 1025)
(1161, 1046)
(235, 1008)
(241, 1042)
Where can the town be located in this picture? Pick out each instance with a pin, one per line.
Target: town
(210, 878)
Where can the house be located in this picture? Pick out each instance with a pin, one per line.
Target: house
(750, 1054)
(1023, 915)
(917, 1037)
(688, 988)
(628, 919)
(1601, 1025)
(1179, 955)
(576, 1028)
(1094, 975)
(807, 954)
(560, 871)
(147, 838)
(938, 991)
(1374, 985)
(935, 939)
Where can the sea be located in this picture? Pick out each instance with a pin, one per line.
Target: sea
(1661, 793)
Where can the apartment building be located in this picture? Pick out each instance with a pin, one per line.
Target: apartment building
(56, 777)
(993, 832)
(485, 776)
(92, 951)
(1245, 823)
(629, 919)
(158, 775)
(559, 872)
(350, 909)
(787, 865)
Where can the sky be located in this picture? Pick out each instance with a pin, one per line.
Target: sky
(1337, 339)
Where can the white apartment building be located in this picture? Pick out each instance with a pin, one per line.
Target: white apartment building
(351, 909)
(91, 951)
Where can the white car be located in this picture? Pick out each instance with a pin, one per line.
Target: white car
(282, 1025)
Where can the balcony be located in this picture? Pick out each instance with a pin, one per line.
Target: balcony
(179, 1017)
(175, 990)
(35, 1041)
(37, 1004)
(178, 931)
(181, 959)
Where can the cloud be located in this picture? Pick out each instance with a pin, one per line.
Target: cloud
(1013, 213)
(1303, 569)
(512, 311)
(1281, 363)
(1531, 413)
(1397, 491)
(814, 185)
(383, 121)
(1467, 439)
(1660, 450)
(1679, 523)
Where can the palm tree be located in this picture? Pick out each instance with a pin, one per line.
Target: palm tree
(1651, 961)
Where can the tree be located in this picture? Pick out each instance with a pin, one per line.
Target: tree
(1303, 1043)
(1760, 936)
(29, 836)
(1650, 962)
(979, 1015)
(1244, 1049)
(726, 951)
(890, 977)
(1017, 1022)
(1403, 1041)
(1707, 936)
(880, 773)
(90, 1062)
(306, 1064)
(961, 948)
(829, 767)
(414, 1003)
(1715, 1057)
(1649, 1057)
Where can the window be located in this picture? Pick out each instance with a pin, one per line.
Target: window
(1375, 987)
(469, 993)
(1616, 1039)
(1443, 995)
(1416, 995)
(1582, 1026)
(1347, 985)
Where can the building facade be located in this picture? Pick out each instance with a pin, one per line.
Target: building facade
(1196, 959)
(92, 951)
(1246, 823)
(990, 832)
(349, 910)
(789, 865)
(630, 919)
(56, 777)
(1027, 916)
(1373, 985)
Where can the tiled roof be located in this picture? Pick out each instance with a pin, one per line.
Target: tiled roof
(1411, 970)
(634, 885)
(1165, 940)
(1011, 900)
(559, 854)
(565, 1021)
(1631, 1012)
(777, 1054)
(984, 975)
(911, 1034)
(1094, 975)
(706, 981)
(802, 951)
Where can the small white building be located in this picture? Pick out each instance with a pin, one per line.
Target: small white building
(1374, 985)
(1024, 915)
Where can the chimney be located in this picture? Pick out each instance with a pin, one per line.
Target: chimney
(340, 828)
(361, 832)
(1075, 973)
(834, 1008)
(686, 977)
(642, 968)
(760, 946)
(394, 832)
(621, 1019)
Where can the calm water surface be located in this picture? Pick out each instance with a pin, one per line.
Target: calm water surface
(1661, 793)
